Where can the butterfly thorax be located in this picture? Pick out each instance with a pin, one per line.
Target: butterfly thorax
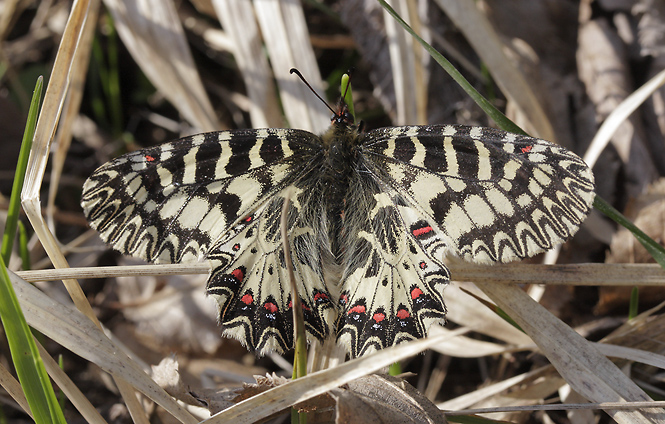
(340, 144)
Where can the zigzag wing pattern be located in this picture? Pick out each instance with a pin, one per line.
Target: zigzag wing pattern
(495, 196)
(392, 287)
(383, 207)
(170, 203)
(250, 280)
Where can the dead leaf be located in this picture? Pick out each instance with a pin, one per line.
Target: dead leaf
(170, 314)
(383, 399)
(648, 213)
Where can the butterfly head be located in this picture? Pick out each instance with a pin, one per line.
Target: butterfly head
(343, 117)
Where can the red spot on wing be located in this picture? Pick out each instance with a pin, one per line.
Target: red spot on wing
(238, 274)
(249, 219)
(247, 299)
(319, 296)
(416, 293)
(420, 231)
(270, 307)
(358, 309)
(527, 149)
(403, 314)
(343, 299)
(149, 158)
(378, 317)
(236, 247)
(422, 265)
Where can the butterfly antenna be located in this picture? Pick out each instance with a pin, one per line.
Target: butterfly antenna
(297, 72)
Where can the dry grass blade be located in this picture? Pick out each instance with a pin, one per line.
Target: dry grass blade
(619, 115)
(72, 106)
(237, 18)
(73, 330)
(299, 336)
(14, 389)
(152, 32)
(476, 396)
(115, 271)
(583, 367)
(296, 391)
(485, 41)
(566, 407)
(46, 126)
(53, 102)
(407, 67)
(282, 30)
(578, 275)
(636, 355)
(73, 393)
(465, 347)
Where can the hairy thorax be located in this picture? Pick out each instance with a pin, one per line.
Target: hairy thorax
(340, 145)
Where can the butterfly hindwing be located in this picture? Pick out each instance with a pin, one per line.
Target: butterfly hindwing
(250, 279)
(392, 286)
(496, 196)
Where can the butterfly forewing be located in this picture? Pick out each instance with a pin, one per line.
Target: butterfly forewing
(496, 196)
(170, 203)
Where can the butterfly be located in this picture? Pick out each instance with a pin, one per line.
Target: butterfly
(371, 217)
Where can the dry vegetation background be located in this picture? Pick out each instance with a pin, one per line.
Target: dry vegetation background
(149, 71)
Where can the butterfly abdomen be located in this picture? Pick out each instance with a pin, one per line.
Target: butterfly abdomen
(340, 161)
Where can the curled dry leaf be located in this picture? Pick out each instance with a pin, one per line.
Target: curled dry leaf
(262, 384)
(371, 399)
(167, 375)
(383, 399)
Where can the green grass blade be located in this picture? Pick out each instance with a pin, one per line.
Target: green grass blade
(395, 369)
(21, 166)
(62, 398)
(29, 367)
(112, 82)
(25, 356)
(634, 307)
(26, 263)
